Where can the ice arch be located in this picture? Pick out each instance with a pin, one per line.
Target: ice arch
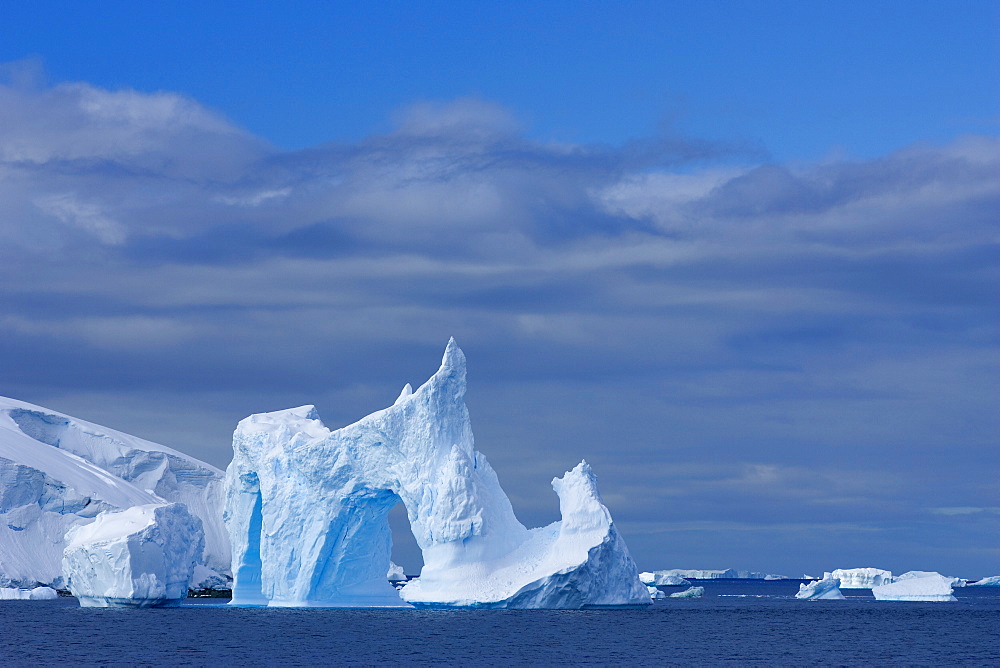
(307, 512)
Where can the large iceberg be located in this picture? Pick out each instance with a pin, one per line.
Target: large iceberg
(725, 574)
(140, 557)
(860, 578)
(307, 513)
(916, 586)
(827, 589)
(57, 472)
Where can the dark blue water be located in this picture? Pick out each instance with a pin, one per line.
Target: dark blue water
(736, 623)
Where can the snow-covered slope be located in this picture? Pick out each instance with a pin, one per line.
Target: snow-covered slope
(57, 472)
(307, 511)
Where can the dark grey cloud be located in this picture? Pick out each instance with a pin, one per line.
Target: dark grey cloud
(752, 356)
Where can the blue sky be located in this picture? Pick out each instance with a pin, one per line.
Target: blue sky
(740, 256)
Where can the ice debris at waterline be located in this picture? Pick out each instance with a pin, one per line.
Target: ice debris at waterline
(57, 472)
(661, 578)
(918, 586)
(137, 558)
(860, 578)
(307, 512)
(693, 592)
(827, 589)
(36, 594)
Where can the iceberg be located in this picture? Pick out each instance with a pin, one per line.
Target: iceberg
(57, 472)
(655, 593)
(307, 513)
(726, 574)
(920, 586)
(395, 573)
(693, 592)
(827, 589)
(140, 557)
(992, 581)
(36, 594)
(661, 578)
(860, 578)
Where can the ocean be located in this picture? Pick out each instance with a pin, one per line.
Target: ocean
(735, 623)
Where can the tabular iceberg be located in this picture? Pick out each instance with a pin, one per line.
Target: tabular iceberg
(916, 586)
(140, 557)
(827, 589)
(661, 578)
(307, 513)
(860, 578)
(57, 472)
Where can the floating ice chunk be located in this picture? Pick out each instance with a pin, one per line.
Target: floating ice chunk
(655, 593)
(661, 578)
(307, 511)
(36, 594)
(827, 589)
(921, 587)
(140, 557)
(396, 572)
(693, 592)
(992, 581)
(860, 578)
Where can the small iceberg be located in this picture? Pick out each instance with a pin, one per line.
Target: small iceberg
(827, 589)
(655, 593)
(992, 581)
(693, 592)
(917, 586)
(36, 594)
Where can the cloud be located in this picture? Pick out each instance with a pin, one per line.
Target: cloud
(725, 340)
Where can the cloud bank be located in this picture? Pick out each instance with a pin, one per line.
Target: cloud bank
(805, 352)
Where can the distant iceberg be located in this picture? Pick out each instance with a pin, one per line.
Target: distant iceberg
(140, 557)
(661, 578)
(726, 574)
(860, 578)
(916, 586)
(992, 581)
(307, 513)
(827, 589)
(693, 592)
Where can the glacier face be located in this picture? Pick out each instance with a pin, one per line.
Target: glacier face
(827, 589)
(307, 513)
(140, 557)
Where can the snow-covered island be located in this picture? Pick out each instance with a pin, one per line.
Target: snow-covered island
(307, 513)
(59, 472)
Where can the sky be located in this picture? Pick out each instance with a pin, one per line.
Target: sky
(742, 257)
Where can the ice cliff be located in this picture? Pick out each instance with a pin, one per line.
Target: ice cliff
(140, 557)
(57, 472)
(307, 512)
